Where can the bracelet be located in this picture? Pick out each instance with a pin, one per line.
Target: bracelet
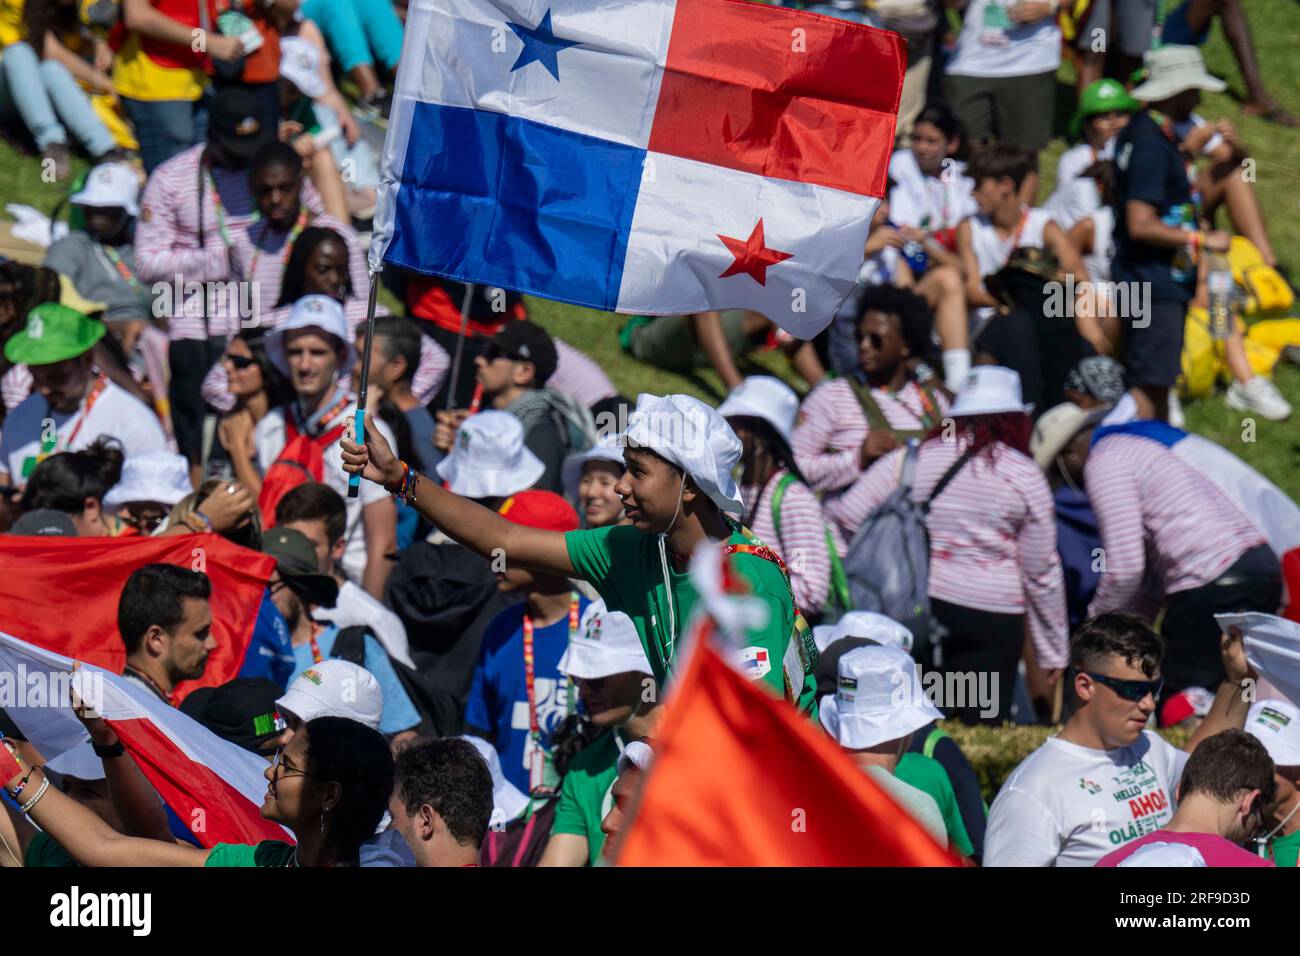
(1194, 240)
(401, 482)
(36, 798)
(107, 751)
(198, 522)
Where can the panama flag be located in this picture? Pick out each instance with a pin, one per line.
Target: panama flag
(215, 787)
(642, 156)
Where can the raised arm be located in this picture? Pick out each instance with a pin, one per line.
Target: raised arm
(480, 529)
(1231, 702)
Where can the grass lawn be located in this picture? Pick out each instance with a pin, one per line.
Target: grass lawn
(1275, 448)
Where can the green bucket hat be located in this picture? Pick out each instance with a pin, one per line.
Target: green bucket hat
(54, 333)
(1104, 96)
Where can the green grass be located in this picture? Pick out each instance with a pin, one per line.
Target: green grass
(1276, 448)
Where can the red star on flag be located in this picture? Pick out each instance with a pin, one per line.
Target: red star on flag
(752, 255)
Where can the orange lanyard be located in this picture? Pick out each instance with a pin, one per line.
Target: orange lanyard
(96, 390)
(530, 667)
(323, 420)
(316, 656)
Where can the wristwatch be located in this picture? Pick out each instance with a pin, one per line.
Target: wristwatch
(104, 751)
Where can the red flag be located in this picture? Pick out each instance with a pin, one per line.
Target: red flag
(62, 594)
(739, 778)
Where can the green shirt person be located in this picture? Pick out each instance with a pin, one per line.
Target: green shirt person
(1276, 723)
(927, 775)
(607, 662)
(679, 492)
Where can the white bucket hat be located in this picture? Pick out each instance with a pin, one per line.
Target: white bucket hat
(695, 438)
(79, 761)
(110, 185)
(878, 697)
(1277, 725)
(990, 390)
(313, 312)
(1173, 69)
(335, 688)
(1165, 855)
(765, 397)
(300, 65)
(876, 627)
(155, 476)
(605, 644)
(1057, 427)
(508, 801)
(606, 448)
(489, 458)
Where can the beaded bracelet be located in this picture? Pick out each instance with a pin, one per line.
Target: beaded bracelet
(406, 487)
(36, 798)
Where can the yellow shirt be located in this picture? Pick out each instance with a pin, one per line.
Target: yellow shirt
(12, 28)
(140, 78)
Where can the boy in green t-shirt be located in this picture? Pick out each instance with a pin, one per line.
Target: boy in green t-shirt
(607, 662)
(1276, 723)
(680, 493)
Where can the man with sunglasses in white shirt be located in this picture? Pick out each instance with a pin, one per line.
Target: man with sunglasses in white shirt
(1105, 780)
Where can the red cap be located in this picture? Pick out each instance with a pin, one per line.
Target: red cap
(540, 509)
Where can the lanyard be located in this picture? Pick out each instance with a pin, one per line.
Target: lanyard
(122, 268)
(288, 246)
(54, 442)
(1015, 236)
(316, 656)
(322, 419)
(216, 205)
(928, 411)
(530, 668)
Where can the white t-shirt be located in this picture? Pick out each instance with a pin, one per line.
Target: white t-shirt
(116, 413)
(1075, 195)
(269, 438)
(942, 200)
(992, 252)
(1067, 805)
(1097, 262)
(991, 45)
(356, 607)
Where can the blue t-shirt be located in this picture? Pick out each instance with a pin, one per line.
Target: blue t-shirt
(270, 651)
(399, 713)
(498, 697)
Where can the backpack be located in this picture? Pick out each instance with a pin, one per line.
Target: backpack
(301, 460)
(439, 715)
(838, 600)
(888, 562)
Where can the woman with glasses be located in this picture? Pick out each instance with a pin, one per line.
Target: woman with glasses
(256, 386)
(329, 786)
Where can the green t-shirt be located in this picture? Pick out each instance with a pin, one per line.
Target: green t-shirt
(44, 850)
(623, 565)
(266, 853)
(1283, 849)
(584, 795)
(928, 775)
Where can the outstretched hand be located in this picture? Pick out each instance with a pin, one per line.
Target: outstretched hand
(375, 461)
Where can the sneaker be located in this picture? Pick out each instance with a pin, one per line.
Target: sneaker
(1261, 396)
(376, 107)
(1176, 416)
(61, 157)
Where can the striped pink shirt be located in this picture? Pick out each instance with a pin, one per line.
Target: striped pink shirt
(167, 249)
(992, 535)
(802, 541)
(578, 376)
(1157, 514)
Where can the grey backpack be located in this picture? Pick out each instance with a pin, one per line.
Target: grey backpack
(888, 561)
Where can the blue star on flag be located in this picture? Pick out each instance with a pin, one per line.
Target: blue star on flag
(540, 45)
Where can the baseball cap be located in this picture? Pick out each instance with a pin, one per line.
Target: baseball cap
(318, 312)
(53, 333)
(44, 522)
(695, 438)
(606, 643)
(235, 124)
(1277, 725)
(878, 698)
(108, 186)
(334, 688)
(1057, 427)
(242, 711)
(523, 341)
(540, 509)
(489, 458)
(295, 556)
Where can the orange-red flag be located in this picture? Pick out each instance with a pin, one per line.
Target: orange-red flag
(739, 778)
(62, 594)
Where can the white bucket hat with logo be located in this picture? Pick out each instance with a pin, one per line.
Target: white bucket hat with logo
(155, 476)
(334, 688)
(489, 458)
(1173, 69)
(1276, 723)
(990, 390)
(109, 186)
(313, 312)
(300, 65)
(695, 438)
(878, 697)
(606, 643)
(765, 397)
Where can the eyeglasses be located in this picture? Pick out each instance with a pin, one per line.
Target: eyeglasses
(241, 362)
(1133, 690)
(875, 338)
(279, 768)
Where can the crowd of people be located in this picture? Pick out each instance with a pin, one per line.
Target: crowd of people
(463, 659)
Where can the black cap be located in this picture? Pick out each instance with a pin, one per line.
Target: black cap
(242, 711)
(827, 670)
(44, 521)
(525, 342)
(237, 124)
(295, 556)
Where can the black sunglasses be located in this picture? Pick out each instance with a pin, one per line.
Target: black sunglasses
(875, 338)
(1133, 690)
(492, 352)
(241, 362)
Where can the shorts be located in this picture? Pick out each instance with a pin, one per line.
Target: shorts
(1153, 353)
(1127, 26)
(1017, 109)
(665, 341)
(1178, 31)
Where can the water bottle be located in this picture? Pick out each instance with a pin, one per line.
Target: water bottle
(1220, 285)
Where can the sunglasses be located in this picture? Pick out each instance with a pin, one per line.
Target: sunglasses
(492, 352)
(241, 362)
(875, 338)
(1132, 690)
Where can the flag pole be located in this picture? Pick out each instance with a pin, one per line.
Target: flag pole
(460, 345)
(359, 423)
